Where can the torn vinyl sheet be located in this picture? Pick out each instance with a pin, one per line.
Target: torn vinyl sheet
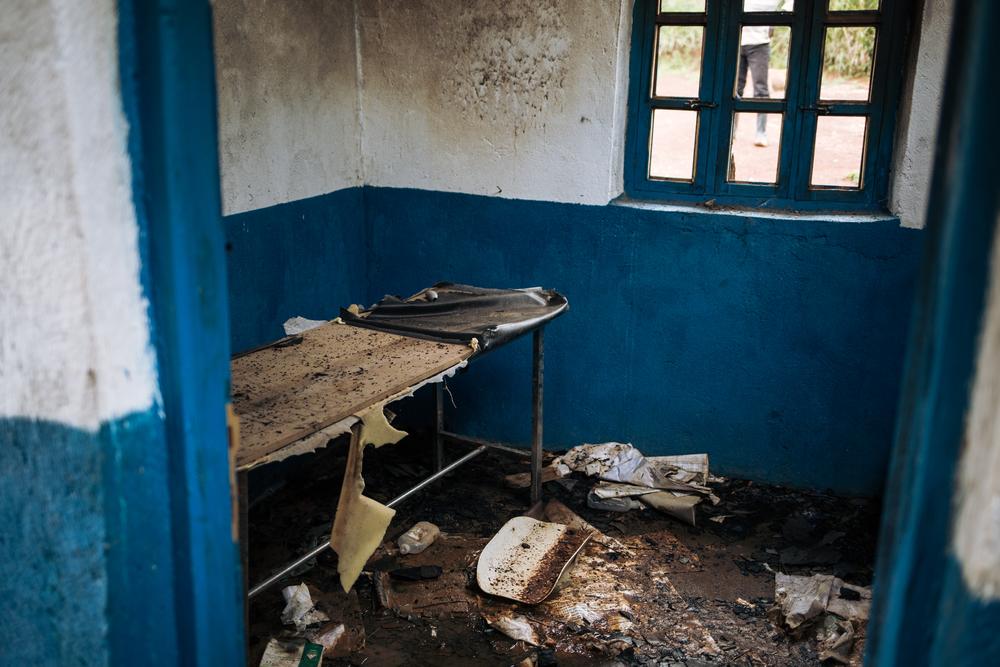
(452, 313)
(360, 522)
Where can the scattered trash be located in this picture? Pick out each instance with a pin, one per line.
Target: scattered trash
(550, 473)
(516, 627)
(329, 636)
(672, 484)
(294, 653)
(678, 505)
(835, 640)
(418, 538)
(524, 560)
(621, 462)
(296, 325)
(612, 503)
(419, 573)
(800, 599)
(299, 609)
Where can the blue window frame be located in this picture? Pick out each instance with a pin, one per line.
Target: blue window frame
(682, 142)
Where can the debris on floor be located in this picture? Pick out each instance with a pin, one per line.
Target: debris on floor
(299, 609)
(526, 558)
(829, 604)
(516, 627)
(800, 599)
(418, 538)
(294, 653)
(550, 473)
(673, 485)
(643, 589)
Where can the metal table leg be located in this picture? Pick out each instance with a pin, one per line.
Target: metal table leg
(537, 380)
(439, 426)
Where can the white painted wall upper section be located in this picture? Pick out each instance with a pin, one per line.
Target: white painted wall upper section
(523, 99)
(287, 100)
(516, 99)
(913, 158)
(977, 533)
(74, 329)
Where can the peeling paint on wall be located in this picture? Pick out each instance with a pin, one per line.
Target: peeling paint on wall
(74, 328)
(977, 533)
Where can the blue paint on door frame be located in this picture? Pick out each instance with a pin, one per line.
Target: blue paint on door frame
(923, 613)
(168, 88)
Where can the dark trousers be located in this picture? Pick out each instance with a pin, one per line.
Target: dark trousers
(755, 57)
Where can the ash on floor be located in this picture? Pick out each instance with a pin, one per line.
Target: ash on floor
(689, 596)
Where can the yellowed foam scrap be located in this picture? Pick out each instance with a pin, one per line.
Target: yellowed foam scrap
(360, 524)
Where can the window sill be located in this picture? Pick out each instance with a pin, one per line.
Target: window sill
(688, 208)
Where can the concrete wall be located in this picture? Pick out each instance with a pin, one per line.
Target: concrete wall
(78, 381)
(913, 157)
(772, 343)
(515, 99)
(287, 99)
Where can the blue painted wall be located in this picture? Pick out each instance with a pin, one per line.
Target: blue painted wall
(923, 613)
(774, 345)
(67, 561)
(306, 257)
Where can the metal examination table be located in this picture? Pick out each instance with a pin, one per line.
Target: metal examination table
(296, 394)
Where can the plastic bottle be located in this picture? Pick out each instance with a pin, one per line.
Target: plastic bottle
(418, 538)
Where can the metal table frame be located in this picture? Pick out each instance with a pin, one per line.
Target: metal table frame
(441, 469)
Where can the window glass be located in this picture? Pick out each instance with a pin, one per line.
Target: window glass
(667, 6)
(853, 5)
(762, 67)
(678, 61)
(768, 5)
(755, 146)
(672, 144)
(838, 155)
(848, 55)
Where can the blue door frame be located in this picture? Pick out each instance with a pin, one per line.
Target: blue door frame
(923, 614)
(168, 89)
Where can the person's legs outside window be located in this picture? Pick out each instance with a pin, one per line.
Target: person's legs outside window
(758, 57)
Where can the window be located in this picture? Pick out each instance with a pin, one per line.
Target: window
(765, 103)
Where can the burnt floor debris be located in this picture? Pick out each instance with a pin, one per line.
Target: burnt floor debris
(767, 576)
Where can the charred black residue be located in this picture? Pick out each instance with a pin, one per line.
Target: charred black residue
(511, 63)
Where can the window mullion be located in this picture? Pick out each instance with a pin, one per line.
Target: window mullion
(809, 66)
(727, 18)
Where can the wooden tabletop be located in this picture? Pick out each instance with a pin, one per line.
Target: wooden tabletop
(290, 390)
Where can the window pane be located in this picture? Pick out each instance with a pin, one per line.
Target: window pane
(678, 61)
(682, 6)
(847, 63)
(839, 151)
(768, 5)
(762, 68)
(852, 5)
(756, 145)
(672, 144)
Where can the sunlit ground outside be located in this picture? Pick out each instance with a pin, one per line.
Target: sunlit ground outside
(838, 158)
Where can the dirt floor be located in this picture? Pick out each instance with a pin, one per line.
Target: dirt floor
(652, 590)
